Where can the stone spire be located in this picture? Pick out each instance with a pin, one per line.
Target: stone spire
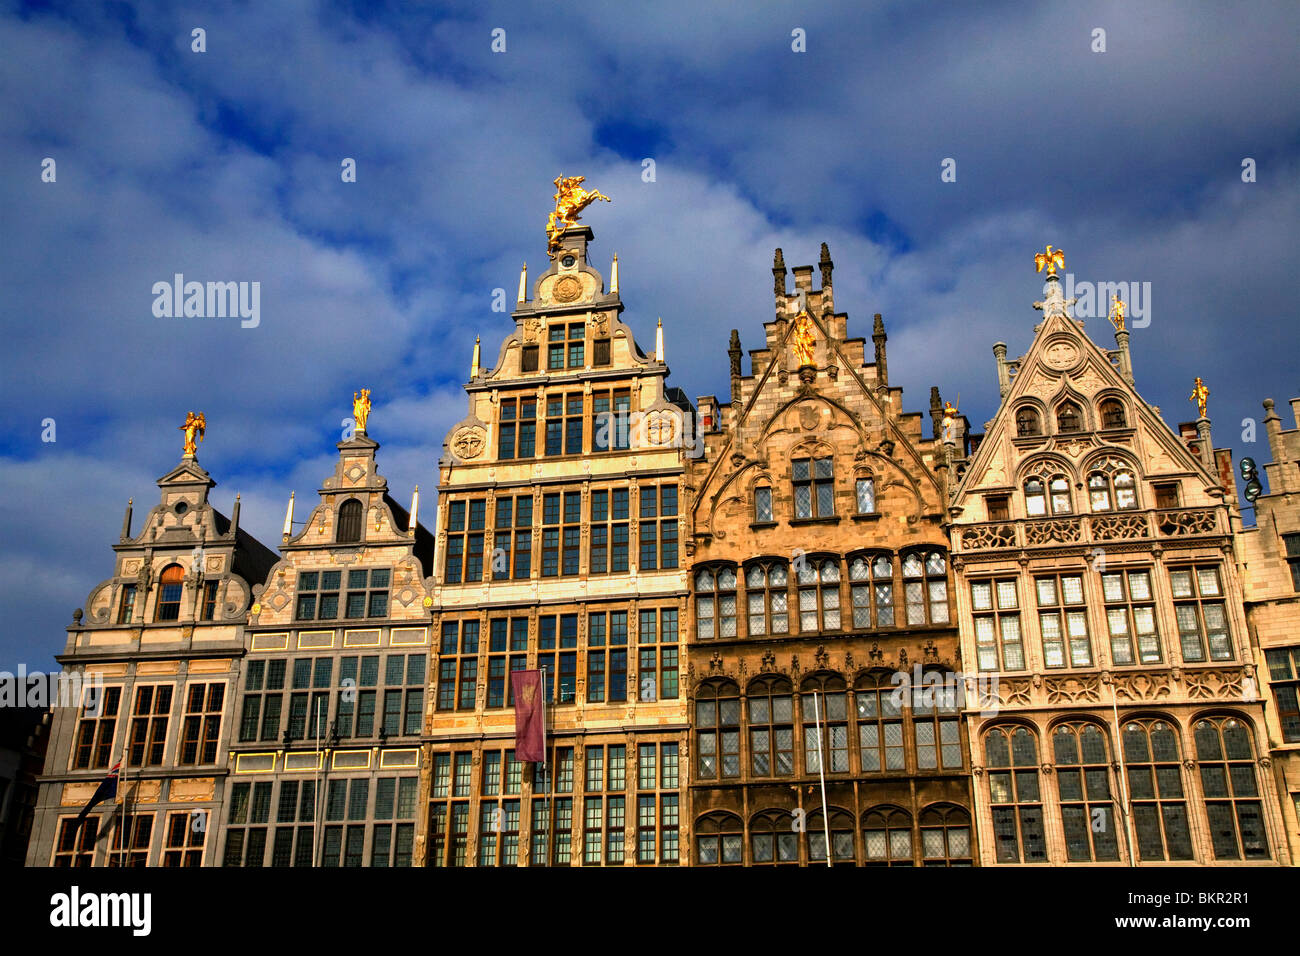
(659, 340)
(613, 276)
(778, 279)
(415, 512)
(473, 368)
(879, 337)
(733, 353)
(936, 413)
(234, 517)
(827, 267)
(126, 520)
(288, 519)
(523, 284)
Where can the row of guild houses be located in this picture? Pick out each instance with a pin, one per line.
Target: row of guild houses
(798, 626)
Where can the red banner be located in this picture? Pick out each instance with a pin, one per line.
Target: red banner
(530, 734)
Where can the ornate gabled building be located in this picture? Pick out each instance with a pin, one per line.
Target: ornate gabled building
(1269, 557)
(820, 573)
(328, 716)
(558, 549)
(1095, 581)
(158, 649)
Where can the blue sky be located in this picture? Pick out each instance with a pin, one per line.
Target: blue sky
(224, 165)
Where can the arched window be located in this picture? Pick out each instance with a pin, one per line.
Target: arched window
(768, 598)
(864, 492)
(771, 727)
(1226, 760)
(772, 839)
(349, 522)
(945, 836)
(887, 837)
(841, 827)
(1011, 755)
(1111, 487)
(935, 717)
(1112, 414)
(171, 583)
(1083, 784)
(831, 710)
(819, 596)
(880, 722)
(1037, 491)
(1068, 418)
(871, 581)
(1028, 424)
(925, 587)
(762, 504)
(717, 734)
(719, 839)
(715, 603)
(1155, 783)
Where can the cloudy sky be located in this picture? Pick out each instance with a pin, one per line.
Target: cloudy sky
(224, 165)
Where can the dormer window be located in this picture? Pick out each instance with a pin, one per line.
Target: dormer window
(349, 531)
(1068, 418)
(1028, 424)
(1112, 414)
(565, 345)
(172, 582)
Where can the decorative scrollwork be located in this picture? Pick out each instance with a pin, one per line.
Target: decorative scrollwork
(1057, 529)
(1173, 523)
(985, 536)
(1118, 527)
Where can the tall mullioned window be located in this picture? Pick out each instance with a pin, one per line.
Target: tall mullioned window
(768, 597)
(1225, 757)
(609, 419)
(466, 521)
(565, 345)
(1201, 613)
(1284, 679)
(96, 728)
(872, 588)
(715, 603)
(657, 654)
(517, 428)
(607, 657)
(717, 734)
(609, 531)
(1083, 785)
(512, 540)
(1130, 617)
(153, 707)
(564, 424)
(1063, 621)
(814, 487)
(658, 530)
(171, 583)
(458, 665)
(1155, 781)
(998, 640)
(1012, 761)
(507, 652)
(350, 525)
(561, 533)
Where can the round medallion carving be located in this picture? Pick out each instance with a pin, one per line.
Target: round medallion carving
(1061, 355)
(567, 289)
(468, 442)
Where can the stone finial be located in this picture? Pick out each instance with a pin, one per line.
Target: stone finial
(936, 412)
(826, 265)
(879, 337)
(778, 273)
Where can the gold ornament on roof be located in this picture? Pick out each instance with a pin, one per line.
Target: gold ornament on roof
(361, 409)
(1117, 313)
(194, 425)
(805, 337)
(1053, 259)
(570, 200)
(1199, 394)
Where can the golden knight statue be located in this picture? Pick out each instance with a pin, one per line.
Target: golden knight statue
(194, 425)
(1117, 307)
(361, 409)
(1052, 259)
(1199, 394)
(570, 200)
(804, 338)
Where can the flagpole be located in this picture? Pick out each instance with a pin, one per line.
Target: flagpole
(550, 774)
(821, 772)
(315, 817)
(1123, 773)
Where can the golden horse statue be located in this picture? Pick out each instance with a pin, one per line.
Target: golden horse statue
(570, 200)
(194, 425)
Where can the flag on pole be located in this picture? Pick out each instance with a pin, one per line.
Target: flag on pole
(530, 740)
(107, 789)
